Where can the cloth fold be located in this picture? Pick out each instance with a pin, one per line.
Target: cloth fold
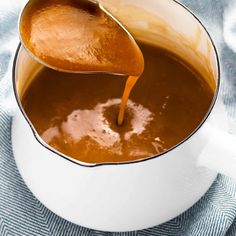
(21, 214)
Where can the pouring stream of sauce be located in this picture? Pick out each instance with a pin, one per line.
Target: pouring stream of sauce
(81, 37)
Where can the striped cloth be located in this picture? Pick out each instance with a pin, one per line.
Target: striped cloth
(23, 215)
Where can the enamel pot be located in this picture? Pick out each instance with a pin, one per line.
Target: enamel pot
(141, 194)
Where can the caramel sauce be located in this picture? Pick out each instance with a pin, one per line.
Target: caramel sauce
(76, 114)
(82, 115)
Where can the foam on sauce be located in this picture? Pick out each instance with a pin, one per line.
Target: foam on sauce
(97, 128)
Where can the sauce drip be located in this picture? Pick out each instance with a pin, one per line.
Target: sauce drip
(128, 88)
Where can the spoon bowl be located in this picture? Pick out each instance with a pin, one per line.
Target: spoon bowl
(74, 54)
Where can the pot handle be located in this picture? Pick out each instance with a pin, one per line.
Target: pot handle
(219, 154)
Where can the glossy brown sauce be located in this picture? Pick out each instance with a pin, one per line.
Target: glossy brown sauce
(76, 114)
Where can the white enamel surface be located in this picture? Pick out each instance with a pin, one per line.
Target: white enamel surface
(27, 68)
(220, 152)
(133, 196)
(169, 25)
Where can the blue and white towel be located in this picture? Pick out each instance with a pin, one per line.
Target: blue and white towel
(21, 214)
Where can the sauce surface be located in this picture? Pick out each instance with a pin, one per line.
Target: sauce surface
(77, 114)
